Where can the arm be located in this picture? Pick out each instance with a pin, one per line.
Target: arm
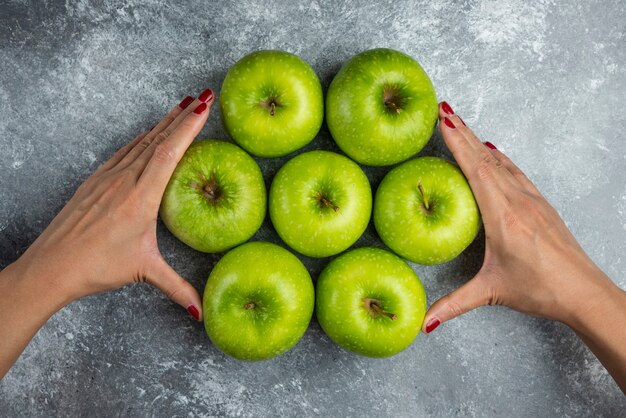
(105, 237)
(600, 321)
(26, 303)
(532, 263)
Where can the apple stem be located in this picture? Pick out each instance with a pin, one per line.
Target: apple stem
(392, 105)
(324, 201)
(212, 191)
(380, 311)
(421, 189)
(392, 99)
(249, 305)
(272, 108)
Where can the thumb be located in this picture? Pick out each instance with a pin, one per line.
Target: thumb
(164, 278)
(467, 297)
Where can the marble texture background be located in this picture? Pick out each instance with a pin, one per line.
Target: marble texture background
(544, 80)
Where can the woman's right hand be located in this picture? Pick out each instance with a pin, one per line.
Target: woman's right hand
(532, 263)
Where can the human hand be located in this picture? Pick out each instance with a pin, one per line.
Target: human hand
(105, 237)
(532, 262)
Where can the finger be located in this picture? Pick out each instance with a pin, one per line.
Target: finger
(90, 186)
(205, 97)
(504, 179)
(183, 109)
(187, 105)
(120, 153)
(515, 171)
(467, 297)
(445, 110)
(164, 278)
(477, 166)
(165, 156)
(92, 182)
(142, 160)
(138, 148)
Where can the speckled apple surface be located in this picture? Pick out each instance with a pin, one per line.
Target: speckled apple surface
(544, 81)
(425, 211)
(216, 197)
(381, 107)
(282, 80)
(320, 203)
(258, 301)
(351, 283)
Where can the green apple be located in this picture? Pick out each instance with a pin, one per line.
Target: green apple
(425, 211)
(272, 103)
(320, 203)
(371, 302)
(381, 107)
(258, 301)
(216, 197)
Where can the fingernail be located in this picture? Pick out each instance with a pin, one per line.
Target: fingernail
(449, 123)
(447, 108)
(193, 311)
(201, 108)
(186, 102)
(432, 324)
(206, 95)
(462, 121)
(490, 145)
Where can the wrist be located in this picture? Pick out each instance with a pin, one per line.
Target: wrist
(28, 280)
(596, 298)
(27, 300)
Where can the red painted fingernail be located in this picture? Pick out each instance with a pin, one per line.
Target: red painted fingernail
(449, 123)
(201, 108)
(463, 122)
(432, 324)
(490, 145)
(186, 102)
(206, 95)
(447, 108)
(193, 311)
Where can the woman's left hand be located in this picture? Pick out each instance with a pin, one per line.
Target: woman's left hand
(105, 237)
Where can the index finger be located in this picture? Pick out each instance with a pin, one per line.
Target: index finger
(478, 166)
(166, 156)
(121, 153)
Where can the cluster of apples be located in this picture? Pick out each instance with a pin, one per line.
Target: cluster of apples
(381, 109)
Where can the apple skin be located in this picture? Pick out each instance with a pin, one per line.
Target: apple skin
(381, 107)
(307, 223)
(259, 79)
(216, 197)
(278, 285)
(362, 275)
(432, 236)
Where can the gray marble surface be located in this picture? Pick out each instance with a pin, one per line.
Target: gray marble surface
(543, 80)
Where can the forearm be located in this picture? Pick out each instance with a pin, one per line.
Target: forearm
(27, 300)
(600, 321)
